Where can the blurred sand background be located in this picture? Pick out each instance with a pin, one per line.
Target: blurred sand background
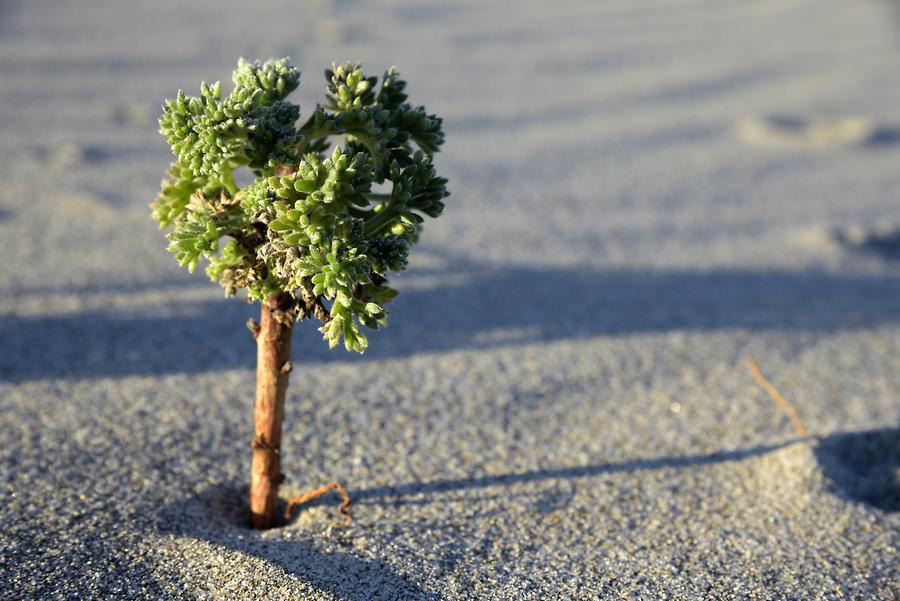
(644, 193)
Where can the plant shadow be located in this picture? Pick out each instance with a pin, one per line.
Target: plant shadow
(477, 308)
(371, 495)
(862, 466)
(219, 515)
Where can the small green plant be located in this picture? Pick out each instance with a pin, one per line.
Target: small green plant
(320, 228)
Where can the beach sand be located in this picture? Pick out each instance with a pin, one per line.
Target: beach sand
(644, 194)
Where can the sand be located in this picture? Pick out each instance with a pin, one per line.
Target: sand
(644, 194)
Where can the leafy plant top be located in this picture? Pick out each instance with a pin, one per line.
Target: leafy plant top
(326, 223)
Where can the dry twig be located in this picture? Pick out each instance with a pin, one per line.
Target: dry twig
(318, 492)
(777, 397)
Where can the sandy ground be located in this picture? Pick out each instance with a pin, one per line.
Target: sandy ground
(644, 193)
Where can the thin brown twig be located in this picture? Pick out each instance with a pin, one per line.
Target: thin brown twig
(777, 397)
(318, 492)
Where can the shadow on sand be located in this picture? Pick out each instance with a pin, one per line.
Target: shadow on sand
(481, 308)
(219, 516)
(882, 243)
(862, 466)
(441, 486)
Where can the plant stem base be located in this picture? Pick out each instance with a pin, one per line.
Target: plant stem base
(273, 346)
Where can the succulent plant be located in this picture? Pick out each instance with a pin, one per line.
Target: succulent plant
(325, 223)
(335, 206)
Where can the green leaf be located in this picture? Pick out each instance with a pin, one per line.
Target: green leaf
(310, 222)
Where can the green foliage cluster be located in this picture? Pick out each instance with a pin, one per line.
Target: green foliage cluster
(326, 223)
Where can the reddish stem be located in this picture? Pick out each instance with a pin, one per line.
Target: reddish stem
(273, 345)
